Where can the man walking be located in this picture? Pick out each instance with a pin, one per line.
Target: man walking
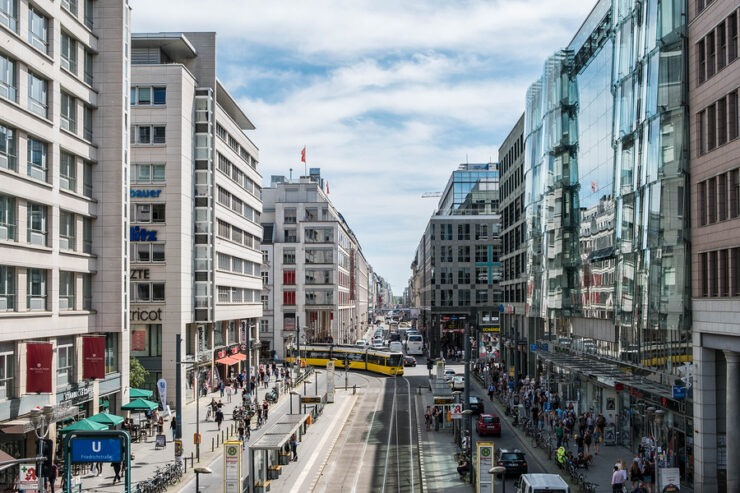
(294, 447)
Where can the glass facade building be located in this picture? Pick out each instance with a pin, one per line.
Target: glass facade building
(606, 194)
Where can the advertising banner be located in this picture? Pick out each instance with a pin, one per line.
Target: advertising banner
(330, 381)
(456, 411)
(93, 354)
(669, 479)
(138, 340)
(485, 463)
(27, 478)
(162, 387)
(232, 467)
(38, 367)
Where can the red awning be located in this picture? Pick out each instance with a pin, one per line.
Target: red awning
(227, 361)
(238, 356)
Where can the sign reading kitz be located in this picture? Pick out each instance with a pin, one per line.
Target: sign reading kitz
(137, 233)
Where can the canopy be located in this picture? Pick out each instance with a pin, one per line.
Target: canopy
(140, 405)
(239, 356)
(140, 393)
(107, 419)
(227, 361)
(84, 425)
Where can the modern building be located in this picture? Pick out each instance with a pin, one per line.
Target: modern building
(714, 79)
(64, 76)
(195, 215)
(315, 272)
(459, 260)
(606, 176)
(514, 255)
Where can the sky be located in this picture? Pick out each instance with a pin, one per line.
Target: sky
(388, 97)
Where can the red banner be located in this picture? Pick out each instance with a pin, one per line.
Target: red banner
(38, 367)
(138, 340)
(93, 354)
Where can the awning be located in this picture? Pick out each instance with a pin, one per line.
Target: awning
(227, 361)
(239, 356)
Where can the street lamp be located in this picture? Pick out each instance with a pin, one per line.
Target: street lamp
(41, 420)
(502, 471)
(198, 472)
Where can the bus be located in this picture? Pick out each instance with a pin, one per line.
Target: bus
(415, 344)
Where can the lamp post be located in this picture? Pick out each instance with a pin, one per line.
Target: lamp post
(467, 416)
(195, 365)
(501, 471)
(198, 472)
(455, 423)
(41, 420)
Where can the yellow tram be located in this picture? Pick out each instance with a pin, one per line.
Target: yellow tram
(374, 360)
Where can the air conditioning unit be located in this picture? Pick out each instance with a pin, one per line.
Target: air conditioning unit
(37, 238)
(3, 232)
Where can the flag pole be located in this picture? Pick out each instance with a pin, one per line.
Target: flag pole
(305, 161)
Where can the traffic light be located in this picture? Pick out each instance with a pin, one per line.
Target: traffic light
(45, 449)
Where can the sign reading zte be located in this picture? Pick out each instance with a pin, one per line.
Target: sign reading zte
(96, 450)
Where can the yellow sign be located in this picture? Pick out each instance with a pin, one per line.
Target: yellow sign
(443, 400)
(232, 466)
(511, 371)
(484, 463)
(490, 329)
(196, 438)
(310, 400)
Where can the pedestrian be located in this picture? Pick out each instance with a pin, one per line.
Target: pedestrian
(53, 473)
(99, 468)
(587, 440)
(117, 472)
(229, 391)
(428, 418)
(265, 407)
(491, 389)
(597, 439)
(219, 418)
(617, 480)
(579, 442)
(173, 427)
(221, 387)
(294, 447)
(241, 434)
(559, 433)
(160, 425)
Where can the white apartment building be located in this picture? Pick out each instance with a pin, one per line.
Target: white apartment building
(195, 229)
(64, 78)
(314, 272)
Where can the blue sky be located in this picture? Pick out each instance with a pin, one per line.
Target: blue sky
(388, 96)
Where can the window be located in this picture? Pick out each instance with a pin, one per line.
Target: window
(734, 193)
(463, 275)
(111, 352)
(7, 218)
(36, 294)
(147, 291)
(148, 134)
(9, 14)
(289, 277)
(67, 171)
(481, 296)
(463, 232)
(289, 257)
(722, 46)
(7, 366)
(711, 55)
(481, 231)
(481, 253)
(65, 361)
(7, 147)
(288, 297)
(463, 254)
(71, 6)
(88, 67)
(701, 120)
(711, 127)
(36, 223)
(147, 213)
(87, 124)
(722, 121)
(704, 273)
(7, 77)
(702, 60)
(703, 203)
(67, 240)
(87, 172)
(87, 292)
(37, 164)
(724, 273)
(89, 13)
(732, 113)
(712, 199)
(87, 234)
(160, 95)
(146, 96)
(7, 288)
(66, 290)
(713, 280)
(68, 112)
(37, 29)
(69, 53)
(148, 173)
(37, 101)
(732, 35)
(722, 196)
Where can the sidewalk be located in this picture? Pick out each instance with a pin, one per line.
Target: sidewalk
(148, 458)
(437, 450)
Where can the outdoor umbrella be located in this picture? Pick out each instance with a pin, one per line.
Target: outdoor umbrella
(140, 393)
(106, 419)
(84, 425)
(140, 405)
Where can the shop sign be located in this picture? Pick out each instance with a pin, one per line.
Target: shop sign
(490, 329)
(221, 354)
(138, 315)
(669, 479)
(310, 400)
(139, 274)
(679, 392)
(144, 194)
(533, 348)
(137, 233)
(234, 350)
(77, 394)
(27, 478)
(544, 347)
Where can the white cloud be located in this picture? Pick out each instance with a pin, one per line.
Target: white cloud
(388, 96)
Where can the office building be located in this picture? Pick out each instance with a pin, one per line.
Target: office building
(64, 78)
(606, 175)
(195, 216)
(315, 272)
(458, 260)
(714, 79)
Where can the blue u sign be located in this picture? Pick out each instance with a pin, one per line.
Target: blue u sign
(96, 450)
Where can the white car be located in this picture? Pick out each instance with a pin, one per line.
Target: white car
(361, 343)
(458, 383)
(449, 374)
(378, 340)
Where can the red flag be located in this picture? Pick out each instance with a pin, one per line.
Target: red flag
(303, 155)
(327, 188)
(38, 367)
(593, 186)
(93, 350)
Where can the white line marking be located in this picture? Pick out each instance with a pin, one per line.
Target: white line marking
(364, 447)
(411, 435)
(390, 433)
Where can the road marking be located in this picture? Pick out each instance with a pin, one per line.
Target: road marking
(364, 447)
(390, 433)
(423, 480)
(411, 435)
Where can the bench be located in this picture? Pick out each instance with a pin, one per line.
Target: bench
(274, 471)
(261, 487)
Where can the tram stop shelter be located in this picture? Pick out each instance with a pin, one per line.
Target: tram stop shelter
(269, 454)
(442, 397)
(314, 405)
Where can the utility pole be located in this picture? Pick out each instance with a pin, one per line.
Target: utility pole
(178, 386)
(248, 351)
(298, 345)
(516, 355)
(466, 404)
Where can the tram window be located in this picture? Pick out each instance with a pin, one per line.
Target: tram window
(395, 360)
(373, 359)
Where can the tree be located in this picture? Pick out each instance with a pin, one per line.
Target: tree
(137, 373)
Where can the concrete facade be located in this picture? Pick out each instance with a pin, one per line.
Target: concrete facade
(63, 207)
(714, 79)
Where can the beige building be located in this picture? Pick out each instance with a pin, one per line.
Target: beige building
(195, 215)
(64, 77)
(714, 80)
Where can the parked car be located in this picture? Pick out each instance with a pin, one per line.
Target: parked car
(449, 374)
(361, 343)
(489, 424)
(396, 346)
(458, 382)
(476, 404)
(514, 461)
(409, 361)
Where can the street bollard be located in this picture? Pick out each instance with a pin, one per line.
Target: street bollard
(213, 440)
(354, 389)
(222, 436)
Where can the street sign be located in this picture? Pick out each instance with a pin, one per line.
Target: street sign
(679, 392)
(96, 450)
(544, 347)
(232, 467)
(440, 401)
(27, 478)
(310, 400)
(456, 411)
(533, 347)
(485, 463)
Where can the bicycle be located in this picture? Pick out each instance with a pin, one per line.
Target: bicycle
(588, 487)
